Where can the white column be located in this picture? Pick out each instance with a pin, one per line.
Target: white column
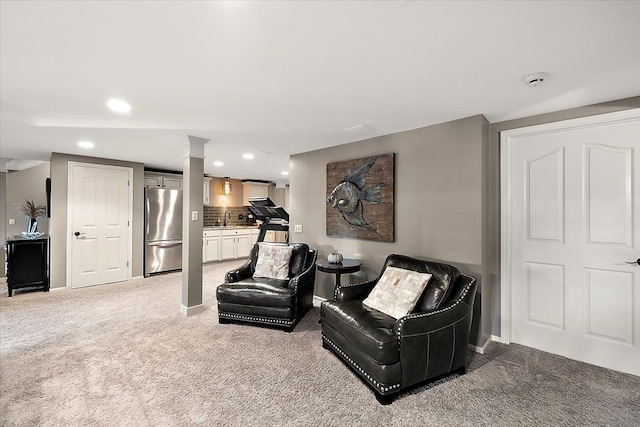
(192, 207)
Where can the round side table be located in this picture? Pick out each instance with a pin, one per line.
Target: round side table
(345, 267)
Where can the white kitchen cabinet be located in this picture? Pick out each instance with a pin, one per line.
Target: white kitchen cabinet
(172, 182)
(235, 243)
(255, 232)
(269, 236)
(211, 246)
(159, 180)
(280, 236)
(206, 190)
(153, 181)
(228, 247)
(243, 245)
(253, 189)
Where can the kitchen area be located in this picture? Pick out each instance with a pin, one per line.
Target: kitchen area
(229, 228)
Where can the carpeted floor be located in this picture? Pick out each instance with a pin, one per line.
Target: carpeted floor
(122, 354)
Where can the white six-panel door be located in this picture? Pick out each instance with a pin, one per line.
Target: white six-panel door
(99, 217)
(571, 222)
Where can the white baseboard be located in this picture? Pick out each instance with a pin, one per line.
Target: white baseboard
(496, 338)
(478, 349)
(317, 300)
(190, 311)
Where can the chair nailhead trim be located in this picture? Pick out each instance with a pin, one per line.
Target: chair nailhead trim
(349, 285)
(381, 387)
(312, 266)
(256, 319)
(417, 316)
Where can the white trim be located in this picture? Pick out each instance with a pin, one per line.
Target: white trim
(495, 338)
(478, 349)
(190, 311)
(318, 300)
(70, 165)
(505, 236)
(475, 348)
(506, 139)
(193, 146)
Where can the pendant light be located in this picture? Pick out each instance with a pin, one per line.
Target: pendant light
(226, 186)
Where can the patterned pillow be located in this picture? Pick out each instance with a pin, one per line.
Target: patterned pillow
(397, 291)
(273, 261)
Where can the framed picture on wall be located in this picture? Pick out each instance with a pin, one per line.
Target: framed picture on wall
(360, 195)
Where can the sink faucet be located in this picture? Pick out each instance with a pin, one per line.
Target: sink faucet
(224, 223)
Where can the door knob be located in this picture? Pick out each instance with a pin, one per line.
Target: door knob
(633, 262)
(77, 233)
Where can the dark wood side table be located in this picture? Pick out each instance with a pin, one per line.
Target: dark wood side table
(27, 263)
(345, 267)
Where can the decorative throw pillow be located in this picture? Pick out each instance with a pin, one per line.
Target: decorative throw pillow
(273, 261)
(397, 291)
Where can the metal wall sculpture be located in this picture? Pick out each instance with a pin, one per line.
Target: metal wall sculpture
(360, 196)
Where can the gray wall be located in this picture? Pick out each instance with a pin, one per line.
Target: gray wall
(447, 200)
(492, 282)
(440, 206)
(3, 216)
(59, 232)
(27, 184)
(278, 195)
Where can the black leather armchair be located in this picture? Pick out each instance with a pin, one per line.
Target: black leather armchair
(392, 355)
(274, 302)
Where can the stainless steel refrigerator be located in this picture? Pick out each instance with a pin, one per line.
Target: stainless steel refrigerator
(163, 230)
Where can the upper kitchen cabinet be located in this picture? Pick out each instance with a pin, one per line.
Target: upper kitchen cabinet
(162, 180)
(206, 191)
(253, 189)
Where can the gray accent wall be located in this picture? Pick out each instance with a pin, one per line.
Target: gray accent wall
(441, 175)
(447, 194)
(58, 225)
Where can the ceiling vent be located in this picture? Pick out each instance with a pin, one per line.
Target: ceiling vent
(361, 128)
(535, 79)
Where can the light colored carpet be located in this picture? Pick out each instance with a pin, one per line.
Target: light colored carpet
(123, 354)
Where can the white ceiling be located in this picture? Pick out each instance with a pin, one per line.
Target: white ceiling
(278, 78)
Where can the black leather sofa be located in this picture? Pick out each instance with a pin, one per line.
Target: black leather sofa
(392, 355)
(265, 301)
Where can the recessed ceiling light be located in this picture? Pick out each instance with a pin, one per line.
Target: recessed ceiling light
(118, 105)
(247, 156)
(284, 173)
(85, 144)
(218, 163)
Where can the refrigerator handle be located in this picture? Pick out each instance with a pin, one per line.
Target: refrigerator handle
(165, 245)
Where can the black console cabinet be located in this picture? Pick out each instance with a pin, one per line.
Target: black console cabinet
(27, 262)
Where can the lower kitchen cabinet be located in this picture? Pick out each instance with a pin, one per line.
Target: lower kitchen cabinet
(243, 245)
(211, 248)
(223, 244)
(235, 243)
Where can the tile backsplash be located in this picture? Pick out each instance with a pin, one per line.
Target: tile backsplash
(214, 213)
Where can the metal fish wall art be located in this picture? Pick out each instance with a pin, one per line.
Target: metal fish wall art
(348, 195)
